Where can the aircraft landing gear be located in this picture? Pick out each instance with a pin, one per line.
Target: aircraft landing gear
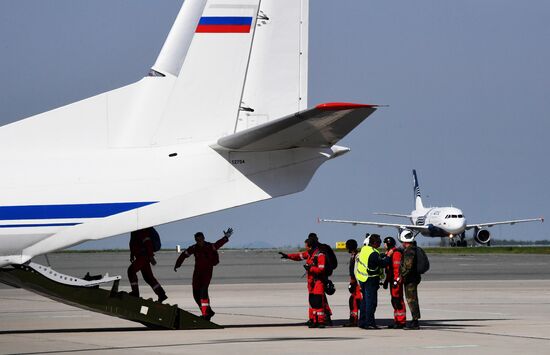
(462, 242)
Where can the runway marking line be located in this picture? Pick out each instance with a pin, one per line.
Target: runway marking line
(451, 346)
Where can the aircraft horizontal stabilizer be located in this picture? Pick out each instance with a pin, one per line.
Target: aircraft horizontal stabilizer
(321, 126)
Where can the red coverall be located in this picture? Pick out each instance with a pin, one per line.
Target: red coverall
(394, 280)
(356, 296)
(141, 254)
(204, 266)
(315, 284)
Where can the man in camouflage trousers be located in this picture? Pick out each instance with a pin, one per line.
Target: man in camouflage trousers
(411, 278)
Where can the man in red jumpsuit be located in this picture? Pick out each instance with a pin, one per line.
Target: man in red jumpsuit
(323, 248)
(354, 288)
(394, 280)
(206, 257)
(141, 258)
(315, 269)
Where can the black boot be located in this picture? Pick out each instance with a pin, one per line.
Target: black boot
(396, 326)
(413, 325)
(162, 297)
(351, 323)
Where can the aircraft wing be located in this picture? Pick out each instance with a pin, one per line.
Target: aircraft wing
(321, 126)
(512, 222)
(379, 224)
(392, 214)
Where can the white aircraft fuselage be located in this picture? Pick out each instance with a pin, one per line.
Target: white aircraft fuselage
(221, 120)
(442, 221)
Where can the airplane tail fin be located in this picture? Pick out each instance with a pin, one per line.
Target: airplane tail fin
(246, 65)
(276, 80)
(417, 196)
(205, 99)
(226, 66)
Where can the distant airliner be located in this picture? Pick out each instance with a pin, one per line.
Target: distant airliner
(438, 222)
(220, 121)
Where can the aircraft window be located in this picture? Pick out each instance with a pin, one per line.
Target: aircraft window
(454, 216)
(447, 216)
(460, 216)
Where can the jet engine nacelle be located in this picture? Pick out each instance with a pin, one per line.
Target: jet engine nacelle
(483, 236)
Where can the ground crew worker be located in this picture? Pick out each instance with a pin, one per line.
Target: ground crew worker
(323, 248)
(206, 257)
(141, 258)
(354, 288)
(315, 269)
(394, 281)
(369, 269)
(411, 278)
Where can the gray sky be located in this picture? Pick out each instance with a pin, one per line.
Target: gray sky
(468, 83)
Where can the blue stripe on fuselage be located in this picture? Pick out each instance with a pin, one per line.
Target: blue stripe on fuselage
(89, 210)
(38, 225)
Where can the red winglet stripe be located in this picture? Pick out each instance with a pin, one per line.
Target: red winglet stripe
(335, 106)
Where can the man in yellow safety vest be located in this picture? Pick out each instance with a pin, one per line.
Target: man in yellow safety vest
(369, 270)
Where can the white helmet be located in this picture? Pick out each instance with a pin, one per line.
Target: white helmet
(366, 241)
(406, 236)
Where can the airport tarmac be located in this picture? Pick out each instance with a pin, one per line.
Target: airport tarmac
(470, 303)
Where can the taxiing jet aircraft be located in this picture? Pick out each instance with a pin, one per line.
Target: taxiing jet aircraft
(438, 222)
(220, 121)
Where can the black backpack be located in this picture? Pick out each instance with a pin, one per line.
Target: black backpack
(155, 239)
(422, 261)
(331, 260)
(215, 256)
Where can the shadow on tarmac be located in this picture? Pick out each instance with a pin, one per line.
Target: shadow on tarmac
(76, 330)
(427, 324)
(451, 323)
(382, 323)
(157, 346)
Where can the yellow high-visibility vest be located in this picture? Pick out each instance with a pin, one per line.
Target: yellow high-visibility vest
(362, 271)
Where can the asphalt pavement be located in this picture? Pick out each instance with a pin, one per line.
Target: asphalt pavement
(475, 304)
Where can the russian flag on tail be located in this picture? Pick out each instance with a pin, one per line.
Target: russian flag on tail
(224, 25)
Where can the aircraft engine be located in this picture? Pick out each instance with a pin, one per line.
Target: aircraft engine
(483, 236)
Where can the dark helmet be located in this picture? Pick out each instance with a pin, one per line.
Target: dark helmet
(313, 236)
(374, 238)
(390, 241)
(351, 244)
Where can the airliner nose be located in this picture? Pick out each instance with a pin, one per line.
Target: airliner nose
(462, 225)
(458, 225)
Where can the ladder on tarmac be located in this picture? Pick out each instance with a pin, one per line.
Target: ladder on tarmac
(86, 294)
